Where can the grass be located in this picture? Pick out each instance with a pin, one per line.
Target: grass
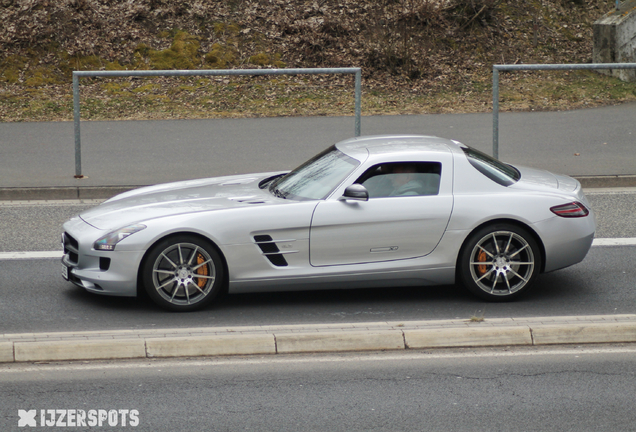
(221, 97)
(478, 318)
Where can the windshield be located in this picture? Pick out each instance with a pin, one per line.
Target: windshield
(495, 170)
(316, 178)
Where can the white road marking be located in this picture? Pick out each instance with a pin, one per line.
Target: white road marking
(610, 191)
(30, 255)
(56, 203)
(58, 254)
(614, 242)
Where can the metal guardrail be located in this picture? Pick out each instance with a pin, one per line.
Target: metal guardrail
(535, 67)
(221, 72)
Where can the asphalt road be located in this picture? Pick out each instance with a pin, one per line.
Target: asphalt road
(554, 389)
(35, 298)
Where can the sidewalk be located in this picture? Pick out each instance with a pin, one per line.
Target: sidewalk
(37, 160)
(289, 339)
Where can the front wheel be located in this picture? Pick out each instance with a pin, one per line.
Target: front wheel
(183, 273)
(499, 262)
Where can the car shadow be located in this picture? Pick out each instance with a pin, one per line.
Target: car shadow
(567, 292)
(81, 297)
(598, 287)
(348, 297)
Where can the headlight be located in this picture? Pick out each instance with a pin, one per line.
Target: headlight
(108, 242)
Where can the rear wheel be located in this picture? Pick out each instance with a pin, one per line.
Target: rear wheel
(183, 273)
(499, 262)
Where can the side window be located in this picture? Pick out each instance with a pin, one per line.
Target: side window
(402, 179)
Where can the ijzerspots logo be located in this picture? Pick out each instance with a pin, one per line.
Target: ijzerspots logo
(78, 418)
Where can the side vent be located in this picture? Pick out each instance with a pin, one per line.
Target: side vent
(270, 250)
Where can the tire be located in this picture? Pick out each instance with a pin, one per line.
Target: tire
(183, 273)
(499, 262)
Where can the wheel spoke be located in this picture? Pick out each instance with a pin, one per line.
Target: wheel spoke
(194, 253)
(508, 244)
(494, 284)
(519, 276)
(507, 282)
(489, 272)
(197, 287)
(486, 252)
(195, 268)
(521, 263)
(480, 263)
(169, 260)
(185, 289)
(518, 251)
(180, 254)
(174, 292)
(170, 272)
(494, 240)
(174, 279)
(204, 277)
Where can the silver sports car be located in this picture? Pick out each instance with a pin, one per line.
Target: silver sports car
(374, 211)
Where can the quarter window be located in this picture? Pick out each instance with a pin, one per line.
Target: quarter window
(492, 168)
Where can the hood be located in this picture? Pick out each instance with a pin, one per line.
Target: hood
(179, 198)
(536, 179)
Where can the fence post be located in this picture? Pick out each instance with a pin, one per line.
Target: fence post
(495, 112)
(358, 95)
(76, 121)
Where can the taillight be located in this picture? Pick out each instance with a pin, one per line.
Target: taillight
(570, 210)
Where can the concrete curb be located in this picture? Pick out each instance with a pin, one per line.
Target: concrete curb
(78, 350)
(374, 336)
(583, 334)
(104, 192)
(198, 346)
(470, 337)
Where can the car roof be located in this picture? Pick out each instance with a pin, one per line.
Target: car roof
(382, 144)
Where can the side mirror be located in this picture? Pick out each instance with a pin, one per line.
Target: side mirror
(356, 192)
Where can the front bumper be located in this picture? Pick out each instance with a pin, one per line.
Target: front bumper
(101, 272)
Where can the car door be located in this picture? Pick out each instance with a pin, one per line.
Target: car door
(386, 227)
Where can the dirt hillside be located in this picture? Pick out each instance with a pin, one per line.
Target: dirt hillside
(422, 46)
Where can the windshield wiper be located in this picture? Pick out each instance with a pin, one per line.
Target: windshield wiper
(277, 193)
(266, 183)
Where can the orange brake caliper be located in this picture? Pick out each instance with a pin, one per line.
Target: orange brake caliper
(203, 271)
(482, 257)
